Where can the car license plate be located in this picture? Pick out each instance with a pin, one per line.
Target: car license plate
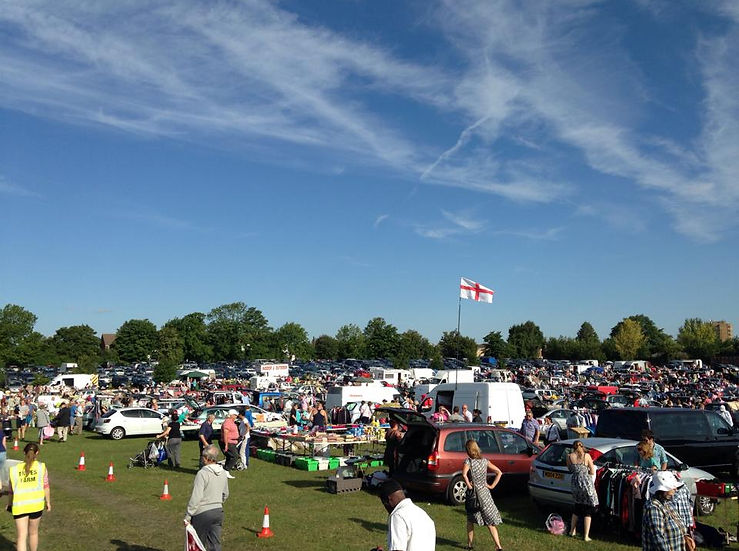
(553, 474)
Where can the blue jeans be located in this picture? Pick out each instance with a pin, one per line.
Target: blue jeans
(3, 457)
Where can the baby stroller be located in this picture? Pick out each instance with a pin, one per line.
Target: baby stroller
(153, 454)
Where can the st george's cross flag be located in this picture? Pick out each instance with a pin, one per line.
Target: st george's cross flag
(473, 290)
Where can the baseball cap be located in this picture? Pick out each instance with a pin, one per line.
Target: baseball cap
(233, 412)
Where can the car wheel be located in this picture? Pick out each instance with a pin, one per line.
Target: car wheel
(704, 505)
(456, 490)
(117, 433)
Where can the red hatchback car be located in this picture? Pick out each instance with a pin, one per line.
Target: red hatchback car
(431, 455)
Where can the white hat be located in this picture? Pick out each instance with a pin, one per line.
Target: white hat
(233, 412)
(663, 481)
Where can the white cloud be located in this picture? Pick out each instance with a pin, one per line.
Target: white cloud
(535, 74)
(14, 189)
(380, 219)
(464, 220)
(550, 234)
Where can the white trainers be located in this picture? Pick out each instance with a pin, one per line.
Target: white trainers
(229, 475)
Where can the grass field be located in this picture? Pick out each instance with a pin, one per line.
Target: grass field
(89, 513)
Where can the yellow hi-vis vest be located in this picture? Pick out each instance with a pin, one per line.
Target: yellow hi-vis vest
(28, 489)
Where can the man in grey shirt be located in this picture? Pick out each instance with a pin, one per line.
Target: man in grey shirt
(205, 508)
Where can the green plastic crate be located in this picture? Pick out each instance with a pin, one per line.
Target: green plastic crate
(306, 464)
(333, 463)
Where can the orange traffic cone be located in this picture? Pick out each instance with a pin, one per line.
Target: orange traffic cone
(266, 532)
(15, 444)
(165, 492)
(111, 476)
(81, 465)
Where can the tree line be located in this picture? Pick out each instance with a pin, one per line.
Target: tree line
(236, 332)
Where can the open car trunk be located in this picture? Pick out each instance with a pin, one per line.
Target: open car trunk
(417, 444)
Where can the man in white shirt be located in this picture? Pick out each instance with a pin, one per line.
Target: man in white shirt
(466, 413)
(409, 528)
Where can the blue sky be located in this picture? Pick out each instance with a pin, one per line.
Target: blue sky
(335, 161)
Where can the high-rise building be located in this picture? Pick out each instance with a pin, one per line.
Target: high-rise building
(723, 330)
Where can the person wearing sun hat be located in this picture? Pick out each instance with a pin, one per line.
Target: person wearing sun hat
(662, 528)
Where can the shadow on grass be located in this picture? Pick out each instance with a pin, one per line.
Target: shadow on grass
(318, 484)
(5, 543)
(369, 525)
(123, 546)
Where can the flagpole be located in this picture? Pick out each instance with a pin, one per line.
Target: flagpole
(459, 341)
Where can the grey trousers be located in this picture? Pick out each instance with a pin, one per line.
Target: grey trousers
(208, 525)
(173, 451)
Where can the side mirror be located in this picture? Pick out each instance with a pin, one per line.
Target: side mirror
(684, 466)
(723, 431)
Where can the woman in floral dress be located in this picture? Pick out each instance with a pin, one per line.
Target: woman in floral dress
(583, 488)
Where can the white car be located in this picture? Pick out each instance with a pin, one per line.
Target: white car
(549, 477)
(558, 416)
(262, 418)
(118, 423)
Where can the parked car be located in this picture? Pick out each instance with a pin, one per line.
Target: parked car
(559, 417)
(262, 418)
(118, 423)
(431, 455)
(702, 438)
(549, 480)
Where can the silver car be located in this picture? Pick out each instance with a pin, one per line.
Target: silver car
(549, 477)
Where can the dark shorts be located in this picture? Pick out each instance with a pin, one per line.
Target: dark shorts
(32, 516)
(582, 510)
(21, 422)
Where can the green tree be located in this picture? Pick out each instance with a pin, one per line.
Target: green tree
(164, 372)
(629, 339)
(326, 347)
(235, 327)
(136, 340)
(88, 363)
(495, 345)
(293, 338)
(16, 329)
(561, 348)
(437, 361)
(194, 333)
(411, 346)
(454, 345)
(351, 342)
(380, 339)
(526, 340)
(587, 333)
(588, 346)
(657, 344)
(74, 342)
(698, 339)
(170, 348)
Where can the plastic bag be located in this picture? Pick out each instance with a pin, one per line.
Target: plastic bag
(555, 524)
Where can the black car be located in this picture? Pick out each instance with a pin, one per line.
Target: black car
(701, 438)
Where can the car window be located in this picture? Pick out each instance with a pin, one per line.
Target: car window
(560, 414)
(716, 422)
(149, 414)
(455, 442)
(625, 455)
(555, 455)
(681, 425)
(512, 444)
(136, 413)
(485, 439)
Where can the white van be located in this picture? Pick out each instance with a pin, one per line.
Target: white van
(391, 376)
(374, 392)
(77, 381)
(455, 376)
(501, 402)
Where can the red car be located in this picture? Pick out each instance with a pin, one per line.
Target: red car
(431, 455)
